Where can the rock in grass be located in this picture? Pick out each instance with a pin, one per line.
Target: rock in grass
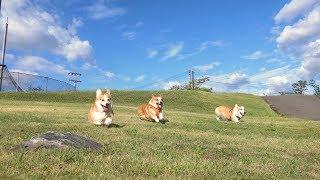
(51, 140)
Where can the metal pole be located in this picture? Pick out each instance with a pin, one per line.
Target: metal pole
(3, 53)
(18, 81)
(190, 79)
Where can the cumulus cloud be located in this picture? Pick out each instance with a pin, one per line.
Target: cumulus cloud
(277, 84)
(37, 64)
(227, 82)
(173, 50)
(301, 39)
(33, 28)
(100, 10)
(256, 55)
(294, 9)
(207, 67)
(264, 82)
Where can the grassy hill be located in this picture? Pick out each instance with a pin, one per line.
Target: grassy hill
(188, 101)
(190, 145)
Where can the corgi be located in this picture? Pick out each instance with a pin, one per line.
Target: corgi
(226, 113)
(152, 110)
(101, 112)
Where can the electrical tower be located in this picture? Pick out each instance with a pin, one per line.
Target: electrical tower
(193, 82)
(74, 78)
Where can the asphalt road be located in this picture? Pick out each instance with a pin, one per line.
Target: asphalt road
(305, 107)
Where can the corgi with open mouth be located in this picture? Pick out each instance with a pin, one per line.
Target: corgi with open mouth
(101, 112)
(152, 110)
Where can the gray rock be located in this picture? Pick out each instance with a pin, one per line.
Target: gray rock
(52, 140)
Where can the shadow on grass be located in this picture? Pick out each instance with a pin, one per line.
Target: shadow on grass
(115, 126)
(164, 121)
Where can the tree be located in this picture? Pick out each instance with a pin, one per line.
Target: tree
(299, 87)
(316, 87)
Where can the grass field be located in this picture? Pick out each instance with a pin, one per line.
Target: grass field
(191, 145)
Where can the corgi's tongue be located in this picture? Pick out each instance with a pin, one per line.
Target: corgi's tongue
(105, 109)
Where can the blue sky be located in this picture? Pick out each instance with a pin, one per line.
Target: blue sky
(247, 46)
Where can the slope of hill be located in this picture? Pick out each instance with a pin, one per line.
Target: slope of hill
(189, 101)
(192, 145)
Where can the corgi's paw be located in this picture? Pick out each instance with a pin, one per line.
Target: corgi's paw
(108, 121)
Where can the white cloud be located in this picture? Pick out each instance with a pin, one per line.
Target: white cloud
(76, 49)
(140, 78)
(169, 84)
(32, 28)
(301, 32)
(173, 50)
(39, 65)
(264, 82)
(302, 40)
(227, 82)
(256, 55)
(100, 10)
(110, 75)
(207, 44)
(152, 53)
(129, 35)
(207, 67)
(23, 71)
(294, 9)
(277, 84)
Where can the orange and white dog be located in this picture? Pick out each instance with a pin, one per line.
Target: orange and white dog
(226, 113)
(101, 112)
(153, 110)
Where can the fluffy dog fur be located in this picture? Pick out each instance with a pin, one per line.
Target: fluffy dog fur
(101, 112)
(152, 110)
(226, 113)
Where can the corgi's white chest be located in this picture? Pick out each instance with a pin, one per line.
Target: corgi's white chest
(99, 115)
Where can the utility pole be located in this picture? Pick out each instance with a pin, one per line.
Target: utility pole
(191, 79)
(74, 78)
(3, 52)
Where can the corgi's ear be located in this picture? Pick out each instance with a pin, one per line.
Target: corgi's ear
(236, 106)
(152, 95)
(108, 92)
(98, 93)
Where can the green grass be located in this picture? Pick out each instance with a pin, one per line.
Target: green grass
(190, 145)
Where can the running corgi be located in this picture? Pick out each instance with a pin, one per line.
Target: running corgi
(153, 110)
(101, 112)
(226, 113)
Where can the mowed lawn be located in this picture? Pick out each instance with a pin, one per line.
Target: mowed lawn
(191, 145)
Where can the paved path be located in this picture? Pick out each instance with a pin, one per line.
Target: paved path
(305, 107)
